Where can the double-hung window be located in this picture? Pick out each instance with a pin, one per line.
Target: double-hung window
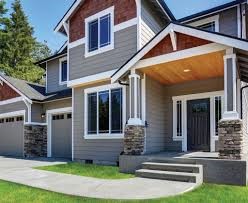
(99, 32)
(63, 71)
(104, 112)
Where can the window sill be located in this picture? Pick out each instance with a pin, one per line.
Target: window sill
(177, 138)
(99, 51)
(63, 83)
(104, 137)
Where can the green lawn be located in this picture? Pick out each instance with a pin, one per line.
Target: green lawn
(14, 193)
(89, 170)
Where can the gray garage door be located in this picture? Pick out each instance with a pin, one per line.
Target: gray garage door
(61, 136)
(11, 136)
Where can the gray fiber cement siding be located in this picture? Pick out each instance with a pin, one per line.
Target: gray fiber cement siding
(124, 47)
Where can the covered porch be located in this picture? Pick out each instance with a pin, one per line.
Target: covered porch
(185, 94)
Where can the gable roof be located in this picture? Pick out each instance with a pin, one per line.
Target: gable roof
(184, 29)
(211, 11)
(33, 91)
(77, 3)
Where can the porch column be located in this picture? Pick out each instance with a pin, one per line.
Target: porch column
(134, 132)
(231, 139)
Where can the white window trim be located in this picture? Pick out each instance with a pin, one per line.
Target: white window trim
(92, 18)
(184, 99)
(204, 21)
(104, 135)
(61, 60)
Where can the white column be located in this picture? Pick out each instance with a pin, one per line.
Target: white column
(135, 100)
(230, 86)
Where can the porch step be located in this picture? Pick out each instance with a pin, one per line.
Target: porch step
(172, 171)
(187, 168)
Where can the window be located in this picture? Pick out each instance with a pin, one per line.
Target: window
(63, 75)
(69, 116)
(104, 111)
(209, 24)
(218, 112)
(10, 120)
(19, 118)
(99, 32)
(1, 120)
(58, 117)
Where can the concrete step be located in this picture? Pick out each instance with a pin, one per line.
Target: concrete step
(187, 168)
(170, 175)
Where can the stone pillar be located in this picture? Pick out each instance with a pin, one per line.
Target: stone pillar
(134, 140)
(231, 140)
(35, 141)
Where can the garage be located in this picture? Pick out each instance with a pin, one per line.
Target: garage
(61, 135)
(11, 136)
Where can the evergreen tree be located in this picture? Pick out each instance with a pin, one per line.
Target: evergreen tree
(20, 45)
(41, 51)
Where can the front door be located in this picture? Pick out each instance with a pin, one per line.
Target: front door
(198, 125)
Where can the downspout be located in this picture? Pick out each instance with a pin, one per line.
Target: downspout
(241, 100)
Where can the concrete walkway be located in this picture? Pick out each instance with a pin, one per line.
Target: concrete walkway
(20, 171)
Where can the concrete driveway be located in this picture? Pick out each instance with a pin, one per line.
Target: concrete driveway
(21, 171)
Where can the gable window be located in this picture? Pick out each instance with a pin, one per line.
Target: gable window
(99, 32)
(209, 24)
(63, 71)
(104, 112)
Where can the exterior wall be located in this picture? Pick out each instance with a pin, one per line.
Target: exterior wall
(105, 150)
(36, 112)
(53, 77)
(151, 24)
(124, 10)
(17, 106)
(159, 108)
(125, 46)
(245, 117)
(6, 92)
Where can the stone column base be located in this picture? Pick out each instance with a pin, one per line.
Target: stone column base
(231, 139)
(35, 141)
(134, 140)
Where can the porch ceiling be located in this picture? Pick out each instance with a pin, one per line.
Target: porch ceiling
(193, 68)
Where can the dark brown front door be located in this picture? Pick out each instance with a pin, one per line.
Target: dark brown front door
(198, 125)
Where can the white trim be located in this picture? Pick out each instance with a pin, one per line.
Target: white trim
(173, 37)
(187, 53)
(139, 21)
(62, 48)
(14, 88)
(239, 21)
(91, 79)
(11, 101)
(58, 27)
(109, 47)
(217, 38)
(29, 107)
(244, 26)
(117, 28)
(72, 134)
(13, 114)
(61, 60)
(104, 135)
(204, 21)
(46, 77)
(49, 114)
(184, 99)
(60, 56)
(65, 25)
(143, 103)
(35, 123)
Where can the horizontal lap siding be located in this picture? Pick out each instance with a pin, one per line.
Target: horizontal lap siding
(53, 77)
(17, 106)
(150, 24)
(160, 110)
(36, 112)
(97, 150)
(125, 46)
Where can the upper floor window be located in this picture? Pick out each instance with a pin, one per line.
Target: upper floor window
(99, 32)
(209, 24)
(63, 71)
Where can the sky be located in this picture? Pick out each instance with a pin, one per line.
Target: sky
(45, 14)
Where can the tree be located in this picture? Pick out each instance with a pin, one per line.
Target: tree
(41, 51)
(19, 47)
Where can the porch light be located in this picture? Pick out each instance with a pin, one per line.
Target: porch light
(186, 70)
(43, 115)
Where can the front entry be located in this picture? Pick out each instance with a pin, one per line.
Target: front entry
(198, 125)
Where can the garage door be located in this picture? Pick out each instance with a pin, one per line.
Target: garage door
(61, 136)
(11, 136)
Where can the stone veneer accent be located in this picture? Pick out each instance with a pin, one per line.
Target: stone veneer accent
(134, 140)
(231, 139)
(35, 141)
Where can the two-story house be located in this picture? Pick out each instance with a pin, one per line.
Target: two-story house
(133, 80)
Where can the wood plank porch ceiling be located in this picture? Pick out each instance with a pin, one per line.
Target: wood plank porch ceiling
(194, 68)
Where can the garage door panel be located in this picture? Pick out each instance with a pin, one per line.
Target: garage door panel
(11, 138)
(61, 137)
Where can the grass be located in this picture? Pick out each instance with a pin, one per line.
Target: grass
(88, 170)
(11, 193)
